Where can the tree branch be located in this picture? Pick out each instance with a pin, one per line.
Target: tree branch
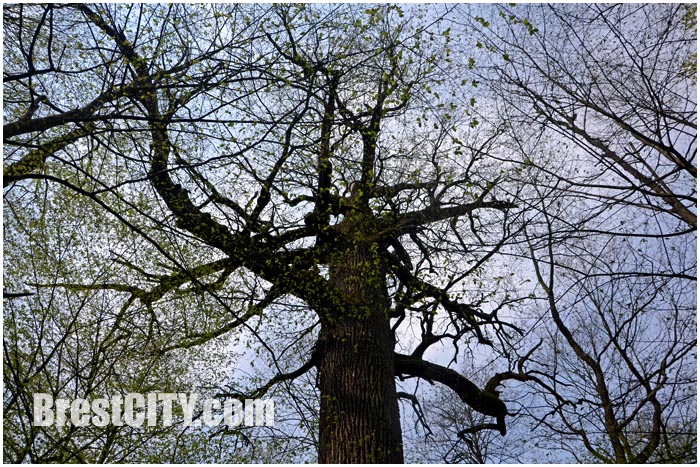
(485, 402)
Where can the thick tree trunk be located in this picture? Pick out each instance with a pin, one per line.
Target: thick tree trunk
(359, 408)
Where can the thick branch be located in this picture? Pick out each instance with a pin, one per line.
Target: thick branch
(35, 159)
(395, 226)
(486, 402)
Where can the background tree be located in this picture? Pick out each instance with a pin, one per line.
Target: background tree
(90, 329)
(600, 111)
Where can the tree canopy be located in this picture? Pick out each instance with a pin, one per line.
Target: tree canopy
(333, 205)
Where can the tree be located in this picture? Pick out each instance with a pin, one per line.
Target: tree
(270, 166)
(85, 342)
(624, 100)
(620, 373)
(602, 118)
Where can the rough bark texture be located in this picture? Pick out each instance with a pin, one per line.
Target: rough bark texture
(359, 408)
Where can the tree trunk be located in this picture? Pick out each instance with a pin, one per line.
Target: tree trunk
(359, 408)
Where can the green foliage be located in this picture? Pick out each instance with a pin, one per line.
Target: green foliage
(690, 23)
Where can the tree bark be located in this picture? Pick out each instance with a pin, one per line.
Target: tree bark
(359, 408)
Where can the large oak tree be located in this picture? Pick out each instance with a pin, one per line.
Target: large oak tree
(306, 154)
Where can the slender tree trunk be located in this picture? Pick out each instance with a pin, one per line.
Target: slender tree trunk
(359, 408)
